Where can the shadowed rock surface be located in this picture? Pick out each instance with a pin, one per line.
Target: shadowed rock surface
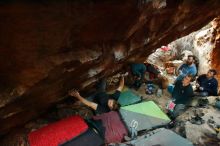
(49, 47)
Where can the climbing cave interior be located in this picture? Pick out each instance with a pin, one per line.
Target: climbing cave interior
(49, 47)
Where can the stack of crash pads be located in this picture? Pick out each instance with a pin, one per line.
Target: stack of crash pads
(158, 137)
(115, 129)
(128, 97)
(89, 138)
(143, 116)
(58, 132)
(62, 131)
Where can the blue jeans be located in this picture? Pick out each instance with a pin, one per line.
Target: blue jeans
(201, 94)
(178, 109)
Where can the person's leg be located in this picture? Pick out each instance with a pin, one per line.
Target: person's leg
(201, 94)
(178, 110)
(204, 94)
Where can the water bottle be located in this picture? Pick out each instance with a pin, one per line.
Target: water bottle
(159, 92)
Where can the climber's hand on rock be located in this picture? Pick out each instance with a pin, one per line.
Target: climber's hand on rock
(74, 93)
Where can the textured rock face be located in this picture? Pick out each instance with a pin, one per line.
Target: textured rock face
(216, 51)
(200, 44)
(49, 47)
(204, 44)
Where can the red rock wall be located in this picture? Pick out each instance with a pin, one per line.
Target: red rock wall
(215, 57)
(48, 47)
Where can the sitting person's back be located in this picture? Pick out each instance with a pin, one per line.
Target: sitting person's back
(138, 69)
(207, 84)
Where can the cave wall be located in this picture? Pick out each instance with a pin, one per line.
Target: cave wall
(199, 43)
(215, 59)
(204, 44)
(48, 47)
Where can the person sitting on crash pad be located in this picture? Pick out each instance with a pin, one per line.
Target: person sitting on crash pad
(181, 96)
(102, 102)
(207, 85)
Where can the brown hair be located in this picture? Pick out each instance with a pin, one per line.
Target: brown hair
(213, 71)
(194, 57)
(190, 76)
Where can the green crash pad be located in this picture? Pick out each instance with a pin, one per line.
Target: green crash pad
(143, 116)
(128, 97)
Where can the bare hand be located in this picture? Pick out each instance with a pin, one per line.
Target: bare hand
(74, 93)
(125, 74)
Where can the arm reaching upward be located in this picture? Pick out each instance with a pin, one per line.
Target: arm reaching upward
(121, 84)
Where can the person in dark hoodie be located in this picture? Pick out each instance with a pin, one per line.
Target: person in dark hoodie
(138, 70)
(207, 85)
(181, 96)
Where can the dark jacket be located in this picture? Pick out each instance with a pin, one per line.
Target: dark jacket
(182, 94)
(138, 69)
(209, 85)
(102, 100)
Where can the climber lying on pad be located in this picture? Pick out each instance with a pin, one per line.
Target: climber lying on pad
(102, 102)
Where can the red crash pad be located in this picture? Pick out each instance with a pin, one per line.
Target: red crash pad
(58, 133)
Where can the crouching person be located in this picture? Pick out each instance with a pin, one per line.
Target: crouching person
(138, 71)
(207, 85)
(181, 96)
(102, 102)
